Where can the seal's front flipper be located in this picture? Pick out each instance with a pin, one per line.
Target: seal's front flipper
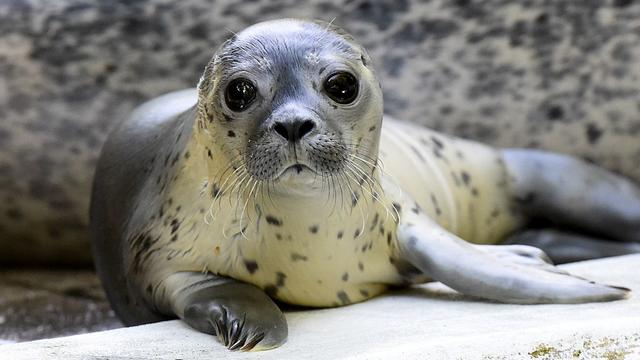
(477, 272)
(241, 315)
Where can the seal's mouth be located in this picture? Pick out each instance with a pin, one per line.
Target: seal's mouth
(296, 171)
(298, 168)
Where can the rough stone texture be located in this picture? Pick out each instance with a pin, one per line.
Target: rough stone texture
(559, 74)
(38, 304)
(426, 322)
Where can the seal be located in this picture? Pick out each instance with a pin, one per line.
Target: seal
(277, 180)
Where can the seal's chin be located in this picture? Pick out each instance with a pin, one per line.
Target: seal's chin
(297, 176)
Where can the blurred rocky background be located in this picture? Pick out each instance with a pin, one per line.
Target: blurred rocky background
(503, 72)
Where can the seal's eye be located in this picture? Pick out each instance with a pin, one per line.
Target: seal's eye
(239, 94)
(341, 87)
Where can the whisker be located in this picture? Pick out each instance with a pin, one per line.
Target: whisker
(255, 183)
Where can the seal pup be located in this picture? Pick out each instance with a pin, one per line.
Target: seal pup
(267, 184)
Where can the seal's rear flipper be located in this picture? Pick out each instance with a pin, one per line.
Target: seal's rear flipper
(564, 247)
(475, 271)
(574, 194)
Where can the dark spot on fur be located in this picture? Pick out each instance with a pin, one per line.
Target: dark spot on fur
(354, 199)
(360, 266)
(356, 233)
(313, 229)
(174, 238)
(389, 238)
(230, 133)
(466, 178)
(345, 276)
(280, 278)
(209, 154)
(215, 191)
(175, 225)
(343, 297)
(364, 293)
(340, 234)
(271, 220)
(175, 159)
(372, 128)
(415, 209)
(227, 117)
(298, 257)
(375, 222)
(418, 153)
(434, 201)
(251, 266)
(437, 142)
(397, 207)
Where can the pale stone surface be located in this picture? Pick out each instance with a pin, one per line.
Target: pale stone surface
(429, 322)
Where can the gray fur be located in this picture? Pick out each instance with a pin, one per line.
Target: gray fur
(117, 209)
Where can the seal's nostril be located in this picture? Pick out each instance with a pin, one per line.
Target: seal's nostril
(305, 128)
(294, 130)
(282, 130)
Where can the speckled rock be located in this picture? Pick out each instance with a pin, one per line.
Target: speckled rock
(560, 75)
(37, 304)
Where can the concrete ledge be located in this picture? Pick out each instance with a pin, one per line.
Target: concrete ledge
(427, 322)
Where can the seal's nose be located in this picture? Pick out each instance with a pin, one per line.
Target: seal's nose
(293, 130)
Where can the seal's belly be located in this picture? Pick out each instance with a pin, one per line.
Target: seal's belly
(460, 184)
(303, 259)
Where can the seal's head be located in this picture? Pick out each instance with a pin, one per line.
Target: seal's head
(292, 103)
